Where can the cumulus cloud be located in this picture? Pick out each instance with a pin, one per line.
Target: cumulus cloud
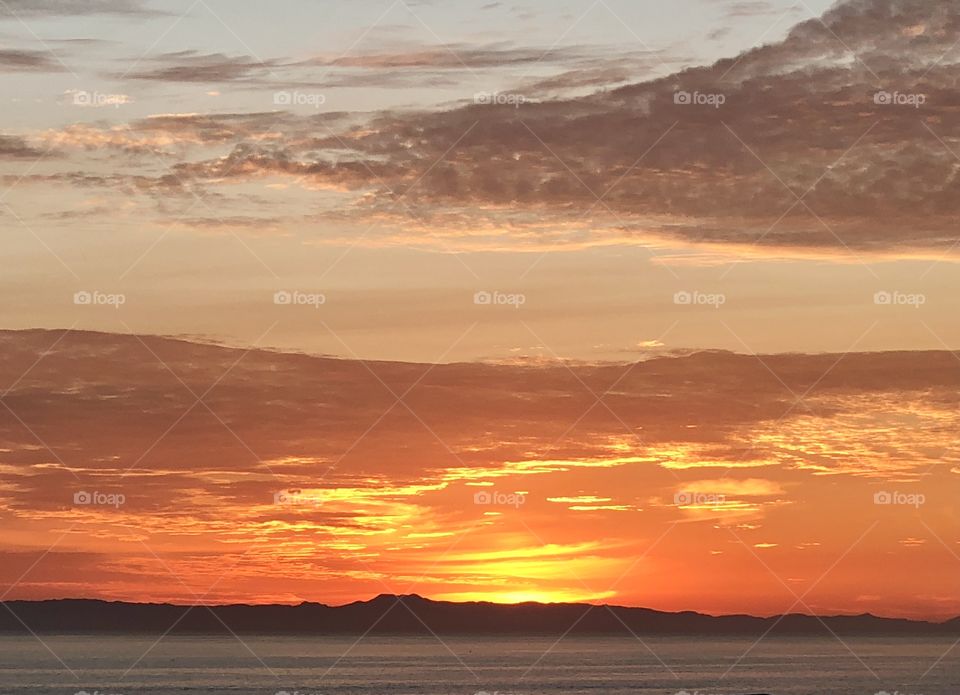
(793, 144)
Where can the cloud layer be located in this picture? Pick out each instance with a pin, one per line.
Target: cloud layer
(364, 473)
(840, 139)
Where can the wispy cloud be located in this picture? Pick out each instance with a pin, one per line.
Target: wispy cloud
(191, 66)
(12, 60)
(74, 8)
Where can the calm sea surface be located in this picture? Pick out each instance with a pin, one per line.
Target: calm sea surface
(467, 666)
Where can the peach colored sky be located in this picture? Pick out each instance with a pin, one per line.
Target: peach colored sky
(397, 184)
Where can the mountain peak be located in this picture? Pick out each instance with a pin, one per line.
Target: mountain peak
(406, 598)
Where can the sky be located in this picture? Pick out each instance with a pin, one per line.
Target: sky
(636, 302)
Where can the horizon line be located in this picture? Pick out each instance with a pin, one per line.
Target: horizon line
(499, 604)
(638, 354)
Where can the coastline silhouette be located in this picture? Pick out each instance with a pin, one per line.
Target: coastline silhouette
(413, 614)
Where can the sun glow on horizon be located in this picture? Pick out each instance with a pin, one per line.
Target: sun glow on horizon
(527, 596)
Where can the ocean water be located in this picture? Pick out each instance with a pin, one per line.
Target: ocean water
(470, 665)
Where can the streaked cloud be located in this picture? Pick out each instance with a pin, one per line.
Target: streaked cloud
(75, 8)
(20, 60)
(191, 66)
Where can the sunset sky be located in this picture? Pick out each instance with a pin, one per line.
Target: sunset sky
(633, 302)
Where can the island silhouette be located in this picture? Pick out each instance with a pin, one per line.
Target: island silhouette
(415, 615)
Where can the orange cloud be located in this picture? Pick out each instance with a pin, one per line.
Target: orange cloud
(295, 468)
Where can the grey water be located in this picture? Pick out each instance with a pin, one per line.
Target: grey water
(536, 665)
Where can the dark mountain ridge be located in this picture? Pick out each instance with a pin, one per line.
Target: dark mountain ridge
(412, 614)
